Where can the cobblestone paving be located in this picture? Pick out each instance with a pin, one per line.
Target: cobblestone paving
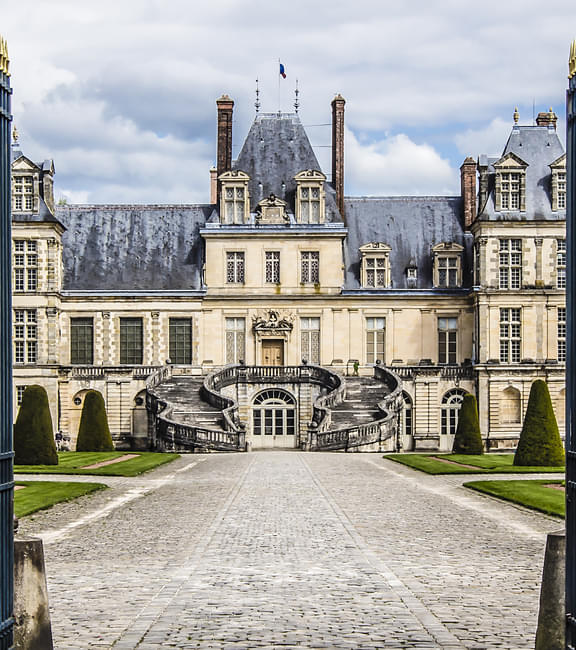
(291, 550)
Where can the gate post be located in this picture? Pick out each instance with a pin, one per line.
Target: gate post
(6, 447)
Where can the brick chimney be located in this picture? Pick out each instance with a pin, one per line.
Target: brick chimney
(224, 144)
(468, 190)
(338, 150)
(548, 119)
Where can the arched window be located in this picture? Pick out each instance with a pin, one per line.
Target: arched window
(510, 406)
(274, 413)
(451, 403)
(406, 426)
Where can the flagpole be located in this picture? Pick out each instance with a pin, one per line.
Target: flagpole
(278, 86)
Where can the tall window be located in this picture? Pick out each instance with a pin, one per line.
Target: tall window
(451, 403)
(25, 263)
(235, 201)
(561, 190)
(447, 340)
(180, 348)
(23, 193)
(235, 339)
(376, 271)
(310, 339)
(448, 271)
(375, 337)
(510, 335)
(20, 394)
(561, 263)
(25, 336)
(131, 340)
(310, 267)
(310, 204)
(235, 267)
(81, 341)
(406, 423)
(510, 191)
(273, 267)
(510, 263)
(562, 334)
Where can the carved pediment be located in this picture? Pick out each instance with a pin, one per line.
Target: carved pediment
(272, 320)
(510, 161)
(23, 164)
(447, 246)
(559, 163)
(372, 246)
(271, 210)
(310, 175)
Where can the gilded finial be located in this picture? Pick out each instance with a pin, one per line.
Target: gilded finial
(516, 115)
(572, 61)
(15, 135)
(4, 58)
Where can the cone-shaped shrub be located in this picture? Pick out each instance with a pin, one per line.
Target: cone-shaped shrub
(33, 433)
(468, 439)
(540, 442)
(93, 433)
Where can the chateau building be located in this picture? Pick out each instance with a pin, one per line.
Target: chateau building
(242, 322)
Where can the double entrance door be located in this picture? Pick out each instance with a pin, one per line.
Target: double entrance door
(272, 352)
(274, 420)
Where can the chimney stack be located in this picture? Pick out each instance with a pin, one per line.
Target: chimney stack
(468, 190)
(338, 150)
(213, 185)
(224, 144)
(548, 119)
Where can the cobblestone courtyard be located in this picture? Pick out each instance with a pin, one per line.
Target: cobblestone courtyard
(291, 550)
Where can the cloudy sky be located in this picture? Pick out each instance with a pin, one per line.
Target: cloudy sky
(121, 93)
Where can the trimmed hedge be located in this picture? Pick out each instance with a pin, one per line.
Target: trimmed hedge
(33, 433)
(93, 433)
(540, 442)
(468, 439)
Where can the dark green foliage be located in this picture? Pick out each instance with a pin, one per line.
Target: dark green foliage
(539, 442)
(468, 439)
(93, 433)
(33, 433)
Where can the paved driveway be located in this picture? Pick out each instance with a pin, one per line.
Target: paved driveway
(291, 550)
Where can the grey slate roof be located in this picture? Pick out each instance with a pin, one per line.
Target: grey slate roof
(275, 150)
(538, 146)
(131, 247)
(410, 225)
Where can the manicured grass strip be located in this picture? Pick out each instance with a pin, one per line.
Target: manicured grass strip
(485, 464)
(40, 495)
(71, 462)
(531, 494)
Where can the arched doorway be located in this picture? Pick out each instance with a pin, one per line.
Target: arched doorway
(274, 420)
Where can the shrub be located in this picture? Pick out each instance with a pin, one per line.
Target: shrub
(539, 442)
(33, 433)
(93, 433)
(468, 439)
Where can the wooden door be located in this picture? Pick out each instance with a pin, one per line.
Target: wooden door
(273, 352)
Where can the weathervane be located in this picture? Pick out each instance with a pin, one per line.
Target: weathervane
(257, 102)
(296, 93)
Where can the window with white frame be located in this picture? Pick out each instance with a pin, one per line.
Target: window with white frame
(25, 265)
(235, 267)
(406, 422)
(234, 197)
(25, 336)
(510, 191)
(235, 204)
(447, 340)
(23, 193)
(510, 263)
(561, 190)
(558, 185)
(510, 335)
(310, 204)
(561, 263)
(451, 403)
(272, 267)
(310, 196)
(375, 339)
(235, 339)
(310, 267)
(562, 334)
(448, 267)
(310, 339)
(510, 183)
(375, 265)
(20, 394)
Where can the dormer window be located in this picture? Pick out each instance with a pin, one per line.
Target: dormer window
(310, 196)
(558, 186)
(510, 188)
(447, 265)
(234, 197)
(23, 193)
(375, 265)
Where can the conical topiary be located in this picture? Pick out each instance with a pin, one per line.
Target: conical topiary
(93, 433)
(33, 433)
(540, 442)
(468, 439)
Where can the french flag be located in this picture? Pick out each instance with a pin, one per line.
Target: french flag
(282, 73)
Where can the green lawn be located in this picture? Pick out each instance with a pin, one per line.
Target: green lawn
(531, 494)
(71, 462)
(482, 464)
(39, 495)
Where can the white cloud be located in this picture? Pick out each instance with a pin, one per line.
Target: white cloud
(489, 139)
(396, 166)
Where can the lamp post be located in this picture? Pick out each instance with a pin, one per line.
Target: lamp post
(6, 447)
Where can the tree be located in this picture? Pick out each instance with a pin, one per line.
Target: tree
(540, 442)
(33, 433)
(93, 433)
(468, 439)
